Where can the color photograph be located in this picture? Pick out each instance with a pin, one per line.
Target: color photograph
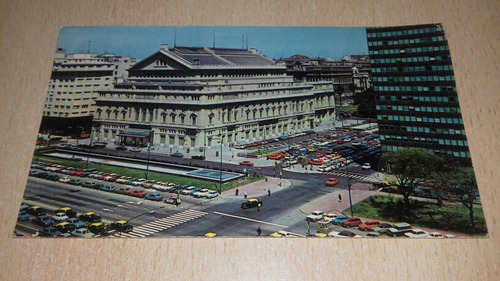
(272, 132)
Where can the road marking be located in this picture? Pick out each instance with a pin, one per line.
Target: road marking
(249, 219)
(162, 224)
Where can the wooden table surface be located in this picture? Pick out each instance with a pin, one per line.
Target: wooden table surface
(29, 31)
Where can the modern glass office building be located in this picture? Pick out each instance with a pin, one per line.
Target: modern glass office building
(416, 96)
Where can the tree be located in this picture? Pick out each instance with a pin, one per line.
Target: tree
(464, 190)
(410, 166)
(366, 103)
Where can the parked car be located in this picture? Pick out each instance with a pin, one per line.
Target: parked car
(339, 219)
(82, 232)
(201, 194)
(36, 211)
(135, 149)
(53, 177)
(251, 203)
(350, 222)
(98, 228)
(155, 196)
(64, 179)
(88, 184)
(49, 232)
(43, 220)
(246, 163)
(211, 194)
(90, 217)
(60, 217)
(121, 147)
(176, 154)
(198, 157)
(329, 217)
(315, 216)
(23, 216)
(417, 233)
(65, 227)
(123, 190)
(367, 225)
(75, 222)
(138, 193)
(331, 182)
(108, 188)
(188, 190)
(75, 182)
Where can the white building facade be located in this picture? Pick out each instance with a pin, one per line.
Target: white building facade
(192, 97)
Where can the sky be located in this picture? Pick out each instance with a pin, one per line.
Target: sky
(274, 42)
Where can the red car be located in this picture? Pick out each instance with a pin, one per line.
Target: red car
(331, 182)
(276, 156)
(354, 221)
(368, 225)
(137, 193)
(246, 163)
(315, 161)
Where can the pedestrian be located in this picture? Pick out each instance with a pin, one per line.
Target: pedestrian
(237, 191)
(258, 207)
(259, 231)
(246, 195)
(340, 197)
(269, 192)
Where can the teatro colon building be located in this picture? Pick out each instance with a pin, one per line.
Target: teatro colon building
(185, 97)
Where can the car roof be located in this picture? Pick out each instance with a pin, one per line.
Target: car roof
(121, 221)
(253, 200)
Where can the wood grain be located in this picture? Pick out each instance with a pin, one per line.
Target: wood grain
(29, 32)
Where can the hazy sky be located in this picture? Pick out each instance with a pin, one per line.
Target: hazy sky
(274, 42)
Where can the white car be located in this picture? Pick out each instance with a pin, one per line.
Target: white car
(64, 179)
(82, 232)
(315, 216)
(329, 217)
(325, 168)
(60, 217)
(211, 194)
(202, 193)
(188, 190)
(417, 233)
(366, 166)
(135, 149)
(160, 186)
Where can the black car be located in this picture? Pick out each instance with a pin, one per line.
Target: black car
(90, 217)
(42, 175)
(122, 226)
(36, 211)
(251, 203)
(123, 148)
(198, 157)
(53, 177)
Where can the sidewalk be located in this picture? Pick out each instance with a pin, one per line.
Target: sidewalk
(258, 188)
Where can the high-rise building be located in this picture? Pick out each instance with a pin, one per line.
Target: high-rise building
(416, 96)
(75, 81)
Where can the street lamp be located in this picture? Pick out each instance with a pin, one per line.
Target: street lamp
(349, 188)
(149, 153)
(220, 170)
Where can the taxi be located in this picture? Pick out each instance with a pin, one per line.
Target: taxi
(122, 226)
(98, 228)
(210, 234)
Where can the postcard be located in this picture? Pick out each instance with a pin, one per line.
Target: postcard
(273, 132)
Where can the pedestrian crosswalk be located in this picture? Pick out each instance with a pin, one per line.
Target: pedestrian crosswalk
(353, 176)
(161, 224)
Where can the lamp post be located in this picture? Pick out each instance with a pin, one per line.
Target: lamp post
(220, 167)
(349, 188)
(149, 153)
